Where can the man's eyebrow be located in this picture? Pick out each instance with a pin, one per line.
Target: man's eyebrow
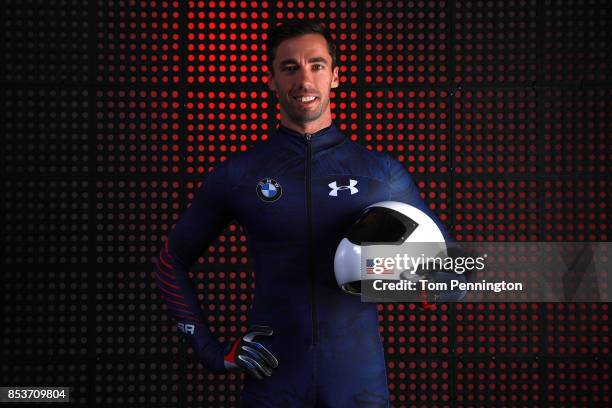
(293, 61)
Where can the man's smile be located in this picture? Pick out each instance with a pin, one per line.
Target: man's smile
(305, 100)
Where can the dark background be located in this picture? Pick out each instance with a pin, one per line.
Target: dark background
(113, 111)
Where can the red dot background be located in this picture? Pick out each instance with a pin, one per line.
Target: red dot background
(113, 111)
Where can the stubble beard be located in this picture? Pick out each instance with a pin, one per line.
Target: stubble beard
(303, 116)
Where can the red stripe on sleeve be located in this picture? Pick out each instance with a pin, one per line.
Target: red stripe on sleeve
(164, 272)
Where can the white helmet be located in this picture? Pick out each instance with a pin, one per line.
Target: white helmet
(384, 223)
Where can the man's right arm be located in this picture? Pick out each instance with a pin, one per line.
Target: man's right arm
(197, 227)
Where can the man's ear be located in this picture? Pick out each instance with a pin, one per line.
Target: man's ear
(335, 78)
(271, 84)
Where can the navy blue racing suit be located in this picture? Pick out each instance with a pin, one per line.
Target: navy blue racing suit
(295, 195)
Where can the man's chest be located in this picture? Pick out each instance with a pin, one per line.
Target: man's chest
(272, 203)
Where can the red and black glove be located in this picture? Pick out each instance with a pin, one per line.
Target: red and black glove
(246, 354)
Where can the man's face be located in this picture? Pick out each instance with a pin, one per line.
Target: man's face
(303, 70)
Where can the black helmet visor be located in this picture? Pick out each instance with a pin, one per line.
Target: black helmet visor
(381, 225)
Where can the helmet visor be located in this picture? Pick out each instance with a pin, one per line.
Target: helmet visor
(381, 225)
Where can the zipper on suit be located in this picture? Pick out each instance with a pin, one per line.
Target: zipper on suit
(315, 332)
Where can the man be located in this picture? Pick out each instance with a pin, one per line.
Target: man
(295, 195)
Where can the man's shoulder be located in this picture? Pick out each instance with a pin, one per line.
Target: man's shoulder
(361, 160)
(237, 163)
(369, 155)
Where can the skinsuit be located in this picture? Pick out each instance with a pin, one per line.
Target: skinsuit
(295, 195)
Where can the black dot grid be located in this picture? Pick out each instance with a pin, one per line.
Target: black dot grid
(125, 209)
(225, 42)
(576, 40)
(412, 126)
(405, 42)
(220, 123)
(497, 329)
(576, 210)
(498, 382)
(577, 130)
(45, 42)
(137, 132)
(345, 111)
(496, 210)
(45, 132)
(420, 382)
(45, 222)
(436, 193)
(211, 390)
(571, 382)
(46, 312)
(124, 323)
(575, 329)
(67, 373)
(138, 42)
(495, 41)
(407, 331)
(495, 132)
(137, 383)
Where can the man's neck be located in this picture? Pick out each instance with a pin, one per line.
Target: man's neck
(310, 127)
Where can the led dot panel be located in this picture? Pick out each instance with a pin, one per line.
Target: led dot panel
(419, 382)
(496, 210)
(495, 132)
(577, 329)
(221, 123)
(411, 125)
(576, 210)
(437, 196)
(125, 210)
(35, 373)
(576, 42)
(124, 323)
(210, 390)
(577, 131)
(495, 41)
(46, 311)
(136, 384)
(45, 41)
(226, 297)
(578, 383)
(45, 222)
(137, 42)
(407, 330)
(345, 111)
(137, 132)
(498, 382)
(168, 338)
(113, 112)
(405, 42)
(225, 41)
(497, 329)
(45, 132)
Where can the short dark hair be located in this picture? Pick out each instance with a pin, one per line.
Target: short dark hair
(296, 28)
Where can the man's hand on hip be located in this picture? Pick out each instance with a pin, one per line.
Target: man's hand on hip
(250, 356)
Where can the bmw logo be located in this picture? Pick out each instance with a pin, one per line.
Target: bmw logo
(269, 190)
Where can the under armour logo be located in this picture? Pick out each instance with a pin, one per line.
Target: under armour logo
(335, 188)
